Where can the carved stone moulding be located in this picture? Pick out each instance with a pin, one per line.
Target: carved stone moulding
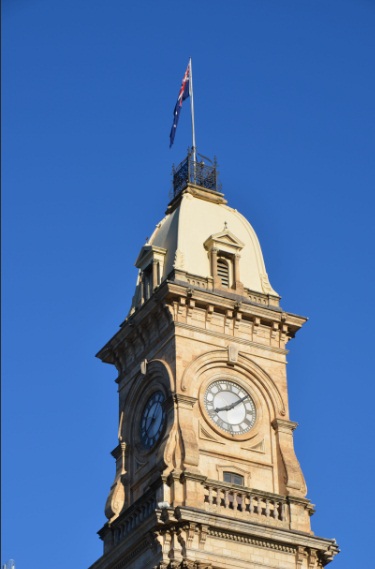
(184, 564)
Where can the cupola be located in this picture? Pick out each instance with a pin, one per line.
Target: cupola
(204, 242)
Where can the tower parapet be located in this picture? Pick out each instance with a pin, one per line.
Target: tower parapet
(196, 172)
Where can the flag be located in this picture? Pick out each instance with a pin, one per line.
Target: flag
(183, 94)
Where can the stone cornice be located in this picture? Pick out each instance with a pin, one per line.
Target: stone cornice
(291, 538)
(135, 329)
(158, 311)
(230, 338)
(162, 522)
(228, 300)
(198, 192)
(233, 303)
(283, 425)
(185, 400)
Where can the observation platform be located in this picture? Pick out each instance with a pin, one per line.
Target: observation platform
(202, 172)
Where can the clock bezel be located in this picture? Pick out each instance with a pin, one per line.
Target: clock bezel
(237, 380)
(143, 447)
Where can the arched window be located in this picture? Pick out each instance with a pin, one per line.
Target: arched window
(233, 478)
(223, 271)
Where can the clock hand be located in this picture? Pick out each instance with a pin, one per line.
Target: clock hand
(239, 401)
(149, 422)
(231, 406)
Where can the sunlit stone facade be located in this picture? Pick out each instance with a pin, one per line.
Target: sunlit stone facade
(206, 473)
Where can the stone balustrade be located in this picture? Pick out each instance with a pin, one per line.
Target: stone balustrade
(125, 525)
(244, 503)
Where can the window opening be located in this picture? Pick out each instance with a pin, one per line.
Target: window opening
(147, 282)
(233, 478)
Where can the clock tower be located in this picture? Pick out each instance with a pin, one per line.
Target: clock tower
(206, 473)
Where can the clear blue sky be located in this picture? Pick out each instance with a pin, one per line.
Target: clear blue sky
(285, 98)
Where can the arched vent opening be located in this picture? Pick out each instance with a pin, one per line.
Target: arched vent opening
(223, 271)
(147, 282)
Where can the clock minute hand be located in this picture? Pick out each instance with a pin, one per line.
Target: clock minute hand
(231, 406)
(239, 401)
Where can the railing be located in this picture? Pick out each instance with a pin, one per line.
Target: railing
(195, 172)
(246, 502)
(131, 520)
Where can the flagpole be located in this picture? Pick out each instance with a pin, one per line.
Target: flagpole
(192, 110)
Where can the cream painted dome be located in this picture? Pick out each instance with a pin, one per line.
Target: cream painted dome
(199, 225)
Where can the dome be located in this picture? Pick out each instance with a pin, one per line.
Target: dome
(205, 243)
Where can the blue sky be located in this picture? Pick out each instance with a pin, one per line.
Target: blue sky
(284, 97)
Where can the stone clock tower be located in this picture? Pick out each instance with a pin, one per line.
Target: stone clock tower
(206, 474)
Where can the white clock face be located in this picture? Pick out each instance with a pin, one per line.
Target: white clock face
(152, 420)
(230, 407)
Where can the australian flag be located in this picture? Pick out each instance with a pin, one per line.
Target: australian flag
(183, 94)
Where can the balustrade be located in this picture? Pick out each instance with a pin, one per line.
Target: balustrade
(195, 172)
(125, 525)
(248, 503)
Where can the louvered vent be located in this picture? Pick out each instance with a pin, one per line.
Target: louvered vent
(223, 272)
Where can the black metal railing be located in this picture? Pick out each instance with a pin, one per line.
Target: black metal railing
(196, 172)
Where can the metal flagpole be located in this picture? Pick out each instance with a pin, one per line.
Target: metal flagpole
(192, 110)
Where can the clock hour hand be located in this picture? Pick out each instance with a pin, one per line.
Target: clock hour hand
(150, 422)
(231, 406)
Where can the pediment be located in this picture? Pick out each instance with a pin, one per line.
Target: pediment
(147, 254)
(224, 238)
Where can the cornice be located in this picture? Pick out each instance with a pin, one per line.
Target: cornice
(283, 425)
(173, 302)
(185, 400)
(231, 338)
(198, 192)
(283, 536)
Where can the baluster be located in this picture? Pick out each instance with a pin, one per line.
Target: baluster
(267, 508)
(226, 498)
(209, 494)
(240, 501)
(246, 499)
(282, 513)
(234, 503)
(256, 505)
(217, 497)
(251, 504)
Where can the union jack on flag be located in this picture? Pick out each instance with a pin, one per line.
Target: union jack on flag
(183, 94)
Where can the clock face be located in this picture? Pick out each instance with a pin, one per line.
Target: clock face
(230, 407)
(152, 420)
